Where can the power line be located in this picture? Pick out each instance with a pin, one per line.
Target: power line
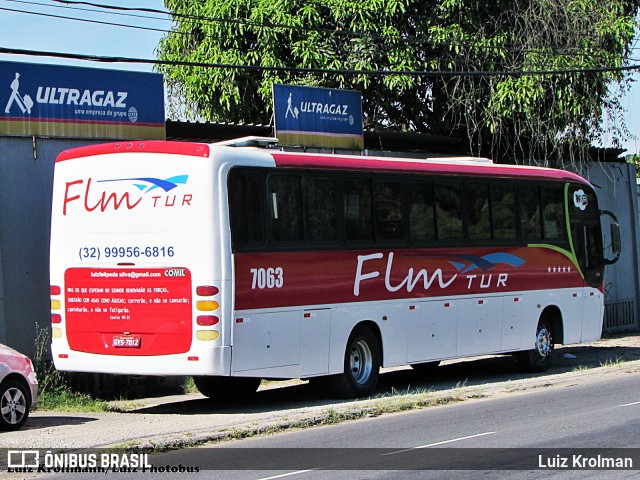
(99, 22)
(408, 39)
(569, 52)
(302, 70)
(215, 19)
(72, 5)
(91, 10)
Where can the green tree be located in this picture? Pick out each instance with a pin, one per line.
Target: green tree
(472, 64)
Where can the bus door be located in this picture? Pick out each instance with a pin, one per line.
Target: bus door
(586, 238)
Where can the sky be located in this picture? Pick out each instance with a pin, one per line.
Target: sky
(45, 30)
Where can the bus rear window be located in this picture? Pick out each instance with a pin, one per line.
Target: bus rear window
(246, 193)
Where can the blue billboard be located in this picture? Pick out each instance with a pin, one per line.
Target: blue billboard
(61, 101)
(319, 117)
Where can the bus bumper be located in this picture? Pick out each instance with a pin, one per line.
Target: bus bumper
(210, 361)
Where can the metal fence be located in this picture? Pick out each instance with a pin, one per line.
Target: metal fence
(620, 316)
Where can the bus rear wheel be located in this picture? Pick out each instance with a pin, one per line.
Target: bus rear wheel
(361, 365)
(539, 358)
(228, 388)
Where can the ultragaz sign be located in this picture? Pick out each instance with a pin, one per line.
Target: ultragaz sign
(60, 101)
(320, 117)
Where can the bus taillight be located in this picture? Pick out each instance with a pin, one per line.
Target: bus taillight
(207, 290)
(56, 304)
(207, 306)
(207, 335)
(207, 320)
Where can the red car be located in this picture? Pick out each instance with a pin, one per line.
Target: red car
(18, 388)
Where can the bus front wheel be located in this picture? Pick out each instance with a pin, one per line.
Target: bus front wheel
(361, 365)
(229, 388)
(538, 359)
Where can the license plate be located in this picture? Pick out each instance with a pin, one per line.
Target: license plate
(126, 342)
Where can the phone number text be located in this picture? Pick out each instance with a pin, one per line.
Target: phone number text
(97, 253)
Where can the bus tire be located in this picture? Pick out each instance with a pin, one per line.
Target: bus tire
(361, 365)
(426, 368)
(228, 388)
(539, 358)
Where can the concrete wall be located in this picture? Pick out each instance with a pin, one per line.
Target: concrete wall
(26, 170)
(615, 185)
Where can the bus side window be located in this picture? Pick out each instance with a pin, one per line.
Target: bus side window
(321, 210)
(246, 209)
(421, 217)
(388, 210)
(530, 220)
(553, 214)
(285, 202)
(357, 210)
(449, 211)
(478, 211)
(503, 212)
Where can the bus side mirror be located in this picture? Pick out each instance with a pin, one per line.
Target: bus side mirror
(616, 242)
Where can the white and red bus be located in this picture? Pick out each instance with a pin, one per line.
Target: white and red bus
(236, 264)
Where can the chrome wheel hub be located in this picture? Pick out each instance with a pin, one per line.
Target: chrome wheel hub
(361, 362)
(544, 342)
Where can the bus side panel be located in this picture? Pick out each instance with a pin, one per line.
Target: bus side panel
(593, 316)
(432, 326)
(266, 340)
(315, 332)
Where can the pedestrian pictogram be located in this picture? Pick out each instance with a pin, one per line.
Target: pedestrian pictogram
(24, 103)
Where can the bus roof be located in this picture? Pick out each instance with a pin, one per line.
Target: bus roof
(141, 146)
(463, 166)
(449, 166)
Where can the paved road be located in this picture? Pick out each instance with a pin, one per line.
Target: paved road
(534, 430)
(538, 429)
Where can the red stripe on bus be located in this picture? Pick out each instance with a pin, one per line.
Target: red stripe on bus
(140, 146)
(360, 163)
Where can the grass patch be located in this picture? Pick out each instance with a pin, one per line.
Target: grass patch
(64, 400)
(189, 386)
(613, 362)
(54, 394)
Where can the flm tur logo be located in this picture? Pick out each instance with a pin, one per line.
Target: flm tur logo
(86, 195)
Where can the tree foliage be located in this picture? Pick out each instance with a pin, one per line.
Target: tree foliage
(486, 53)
